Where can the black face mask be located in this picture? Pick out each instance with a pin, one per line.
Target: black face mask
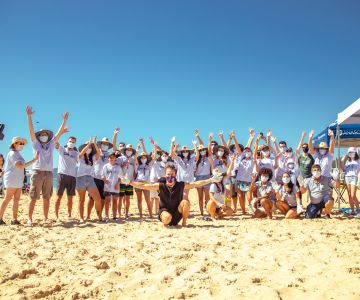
(305, 149)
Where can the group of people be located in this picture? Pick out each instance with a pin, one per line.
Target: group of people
(265, 177)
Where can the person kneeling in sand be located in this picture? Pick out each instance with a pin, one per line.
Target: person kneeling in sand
(262, 192)
(172, 207)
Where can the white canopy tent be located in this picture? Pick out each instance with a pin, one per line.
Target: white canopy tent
(350, 115)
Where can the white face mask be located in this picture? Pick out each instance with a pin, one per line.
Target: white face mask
(128, 153)
(266, 153)
(286, 179)
(291, 166)
(351, 154)
(264, 178)
(157, 156)
(316, 174)
(203, 153)
(43, 138)
(121, 148)
(164, 159)
(247, 154)
(104, 147)
(322, 151)
(88, 151)
(143, 160)
(220, 153)
(19, 147)
(283, 149)
(185, 154)
(70, 145)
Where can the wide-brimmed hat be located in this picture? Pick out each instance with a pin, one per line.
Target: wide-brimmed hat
(129, 147)
(49, 133)
(232, 148)
(185, 149)
(226, 149)
(17, 139)
(148, 157)
(83, 146)
(323, 145)
(104, 140)
(351, 149)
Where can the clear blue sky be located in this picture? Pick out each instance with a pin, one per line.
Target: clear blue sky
(164, 68)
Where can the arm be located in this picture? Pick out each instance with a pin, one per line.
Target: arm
(231, 166)
(332, 141)
(145, 186)
(221, 136)
(20, 165)
(83, 151)
(252, 185)
(301, 142)
(197, 134)
(172, 148)
(62, 128)
(251, 138)
(116, 132)
(268, 141)
(311, 146)
(198, 183)
(29, 113)
(197, 154)
(256, 147)
(143, 145)
(97, 155)
(237, 147)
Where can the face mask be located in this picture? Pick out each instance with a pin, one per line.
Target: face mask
(170, 179)
(164, 159)
(220, 153)
(88, 151)
(43, 138)
(291, 166)
(104, 147)
(286, 179)
(316, 174)
(247, 154)
(322, 151)
(143, 160)
(19, 147)
(283, 149)
(185, 154)
(70, 145)
(203, 153)
(212, 147)
(306, 149)
(235, 151)
(121, 148)
(264, 178)
(351, 154)
(128, 153)
(288, 154)
(266, 153)
(157, 156)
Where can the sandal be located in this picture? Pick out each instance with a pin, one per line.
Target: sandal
(2, 222)
(15, 222)
(207, 219)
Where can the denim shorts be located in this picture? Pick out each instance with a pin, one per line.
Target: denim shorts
(203, 177)
(351, 180)
(243, 186)
(85, 182)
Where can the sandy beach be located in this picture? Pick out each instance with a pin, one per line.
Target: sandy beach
(241, 258)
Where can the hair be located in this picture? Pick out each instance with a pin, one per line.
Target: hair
(72, 138)
(265, 171)
(89, 158)
(112, 155)
(290, 184)
(3, 158)
(305, 144)
(224, 157)
(172, 167)
(201, 158)
(147, 159)
(355, 158)
(315, 166)
(283, 142)
(182, 156)
(122, 143)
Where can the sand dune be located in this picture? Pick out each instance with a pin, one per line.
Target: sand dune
(239, 258)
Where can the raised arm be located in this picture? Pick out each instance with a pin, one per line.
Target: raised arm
(198, 183)
(115, 134)
(83, 151)
(237, 147)
(268, 141)
(197, 134)
(301, 142)
(311, 146)
(197, 154)
(29, 113)
(173, 148)
(62, 129)
(251, 138)
(231, 166)
(256, 147)
(143, 145)
(221, 136)
(332, 141)
(97, 154)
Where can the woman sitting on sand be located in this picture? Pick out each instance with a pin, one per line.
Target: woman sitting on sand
(14, 177)
(288, 198)
(262, 192)
(89, 153)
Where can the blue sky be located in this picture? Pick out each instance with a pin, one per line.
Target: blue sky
(164, 68)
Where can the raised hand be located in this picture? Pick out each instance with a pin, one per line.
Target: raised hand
(231, 134)
(268, 133)
(65, 115)
(211, 135)
(152, 142)
(197, 132)
(273, 139)
(252, 132)
(95, 139)
(116, 131)
(221, 133)
(29, 110)
(303, 134)
(65, 130)
(173, 139)
(141, 140)
(311, 134)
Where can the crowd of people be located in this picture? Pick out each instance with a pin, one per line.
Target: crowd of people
(262, 177)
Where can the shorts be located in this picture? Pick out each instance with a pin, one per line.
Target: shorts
(351, 180)
(108, 194)
(100, 186)
(313, 209)
(232, 182)
(126, 190)
(203, 177)
(85, 182)
(41, 182)
(175, 214)
(66, 182)
(243, 185)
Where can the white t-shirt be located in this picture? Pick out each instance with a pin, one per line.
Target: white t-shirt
(289, 198)
(218, 164)
(143, 173)
(218, 192)
(204, 167)
(100, 163)
(262, 190)
(84, 169)
(244, 169)
(185, 169)
(13, 176)
(112, 173)
(129, 168)
(67, 161)
(325, 162)
(351, 168)
(157, 170)
(45, 161)
(267, 163)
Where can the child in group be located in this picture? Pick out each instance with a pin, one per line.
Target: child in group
(111, 175)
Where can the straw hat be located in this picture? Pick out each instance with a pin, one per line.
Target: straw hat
(185, 149)
(104, 140)
(17, 139)
(148, 157)
(351, 149)
(323, 145)
(130, 147)
(49, 133)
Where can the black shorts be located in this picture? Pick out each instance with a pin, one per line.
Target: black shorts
(233, 186)
(100, 186)
(175, 214)
(126, 190)
(107, 194)
(66, 182)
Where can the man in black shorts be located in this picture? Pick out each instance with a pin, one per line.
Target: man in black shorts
(172, 207)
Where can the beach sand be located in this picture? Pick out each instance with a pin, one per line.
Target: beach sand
(241, 258)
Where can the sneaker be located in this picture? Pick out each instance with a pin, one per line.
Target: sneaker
(15, 222)
(2, 222)
(30, 223)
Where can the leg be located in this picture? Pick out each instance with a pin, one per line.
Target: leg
(57, 206)
(186, 194)
(89, 208)
(211, 208)
(241, 196)
(147, 200)
(46, 205)
(165, 218)
(69, 205)
(16, 203)
(328, 206)
(291, 214)
(94, 193)
(354, 197)
(267, 205)
(121, 199)
(201, 200)
(127, 206)
(139, 201)
(184, 209)
(282, 207)
(10, 192)
(114, 205)
(206, 194)
(107, 206)
(81, 193)
(31, 208)
(351, 202)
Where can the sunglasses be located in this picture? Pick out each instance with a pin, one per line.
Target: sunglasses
(20, 143)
